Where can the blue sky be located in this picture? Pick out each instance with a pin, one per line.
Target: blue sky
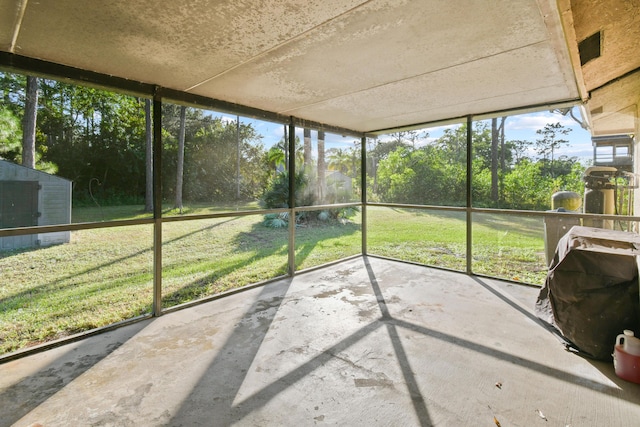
(525, 126)
(274, 132)
(520, 127)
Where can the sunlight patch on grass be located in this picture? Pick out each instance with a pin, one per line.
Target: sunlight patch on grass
(437, 238)
(510, 247)
(205, 257)
(105, 275)
(101, 277)
(320, 244)
(504, 246)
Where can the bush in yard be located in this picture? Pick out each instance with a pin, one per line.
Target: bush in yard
(277, 193)
(280, 220)
(276, 196)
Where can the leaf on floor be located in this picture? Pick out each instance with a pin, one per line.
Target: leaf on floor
(495, 420)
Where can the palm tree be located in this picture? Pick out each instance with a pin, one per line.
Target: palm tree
(276, 158)
(339, 160)
(307, 148)
(321, 189)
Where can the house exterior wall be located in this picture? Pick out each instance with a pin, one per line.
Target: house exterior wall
(636, 164)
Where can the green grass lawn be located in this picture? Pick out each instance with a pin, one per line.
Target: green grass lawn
(510, 247)
(105, 275)
(206, 257)
(425, 237)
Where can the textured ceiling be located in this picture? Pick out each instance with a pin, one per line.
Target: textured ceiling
(360, 65)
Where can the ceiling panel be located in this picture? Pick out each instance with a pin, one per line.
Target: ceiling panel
(470, 88)
(9, 18)
(379, 43)
(357, 64)
(173, 44)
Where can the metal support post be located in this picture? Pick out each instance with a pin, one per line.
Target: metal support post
(363, 196)
(469, 198)
(292, 197)
(157, 204)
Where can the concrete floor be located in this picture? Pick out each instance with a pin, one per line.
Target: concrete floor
(367, 342)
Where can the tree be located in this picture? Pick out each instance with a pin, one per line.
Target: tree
(355, 154)
(276, 195)
(408, 137)
(276, 159)
(29, 123)
(211, 160)
(238, 157)
(339, 160)
(497, 150)
(93, 135)
(396, 176)
(526, 188)
(307, 148)
(381, 149)
(285, 146)
(194, 121)
(422, 176)
(550, 142)
(148, 195)
(453, 142)
(10, 134)
(518, 148)
(180, 165)
(322, 184)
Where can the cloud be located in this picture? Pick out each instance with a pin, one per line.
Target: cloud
(228, 119)
(535, 121)
(441, 129)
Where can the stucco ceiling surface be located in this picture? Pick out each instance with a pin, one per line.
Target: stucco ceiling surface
(360, 65)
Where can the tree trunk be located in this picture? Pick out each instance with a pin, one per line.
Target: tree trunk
(502, 159)
(321, 169)
(374, 167)
(494, 159)
(237, 158)
(307, 148)
(285, 147)
(29, 123)
(148, 196)
(180, 166)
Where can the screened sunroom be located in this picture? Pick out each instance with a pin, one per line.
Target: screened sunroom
(296, 213)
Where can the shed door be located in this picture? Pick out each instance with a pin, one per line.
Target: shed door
(18, 203)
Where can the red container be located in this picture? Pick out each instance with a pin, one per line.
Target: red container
(626, 365)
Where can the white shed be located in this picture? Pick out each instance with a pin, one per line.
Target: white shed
(30, 197)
